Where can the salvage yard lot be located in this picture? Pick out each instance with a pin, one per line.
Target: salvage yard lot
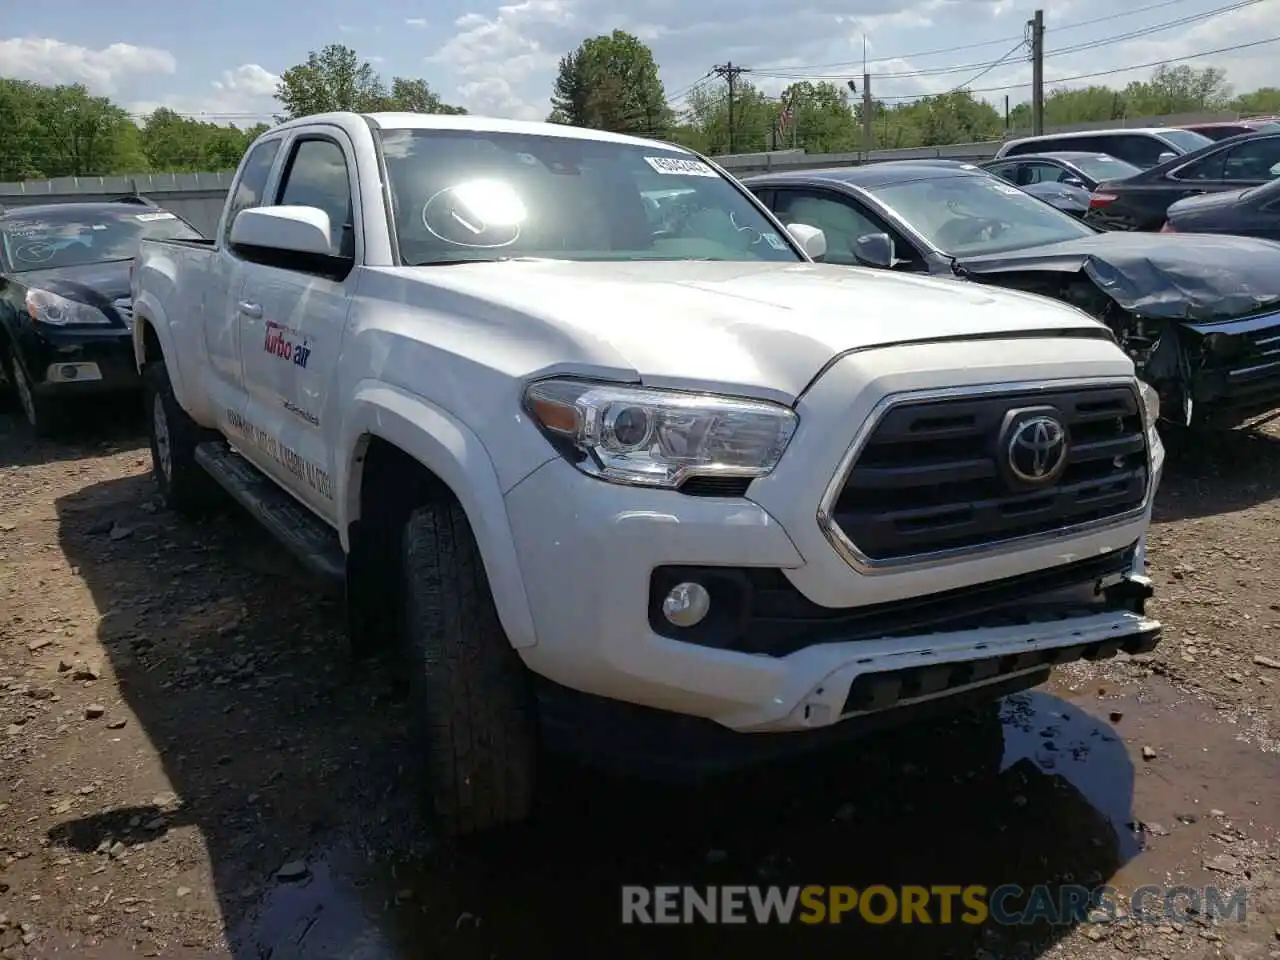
(191, 766)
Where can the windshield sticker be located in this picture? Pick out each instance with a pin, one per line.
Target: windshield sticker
(775, 241)
(98, 226)
(681, 167)
(148, 217)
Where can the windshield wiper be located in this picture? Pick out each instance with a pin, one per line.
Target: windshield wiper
(958, 269)
(453, 261)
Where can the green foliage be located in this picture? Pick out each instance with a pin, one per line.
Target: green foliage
(827, 119)
(611, 83)
(63, 131)
(337, 79)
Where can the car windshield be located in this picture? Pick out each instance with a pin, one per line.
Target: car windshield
(972, 215)
(1103, 167)
(1186, 140)
(465, 195)
(80, 238)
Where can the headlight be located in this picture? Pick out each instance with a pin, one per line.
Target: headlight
(46, 307)
(660, 438)
(1150, 403)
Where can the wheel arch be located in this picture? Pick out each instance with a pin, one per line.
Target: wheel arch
(397, 444)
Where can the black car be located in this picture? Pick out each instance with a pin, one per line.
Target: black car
(1198, 314)
(1140, 203)
(1072, 167)
(1252, 212)
(66, 313)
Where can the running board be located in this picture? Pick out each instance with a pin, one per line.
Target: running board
(299, 530)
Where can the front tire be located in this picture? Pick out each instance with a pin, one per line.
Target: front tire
(182, 484)
(43, 415)
(471, 693)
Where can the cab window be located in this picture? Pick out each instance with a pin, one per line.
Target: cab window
(317, 176)
(253, 182)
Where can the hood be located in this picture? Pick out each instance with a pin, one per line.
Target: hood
(1161, 275)
(767, 327)
(1206, 202)
(99, 284)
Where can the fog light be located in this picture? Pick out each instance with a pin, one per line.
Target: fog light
(69, 372)
(687, 604)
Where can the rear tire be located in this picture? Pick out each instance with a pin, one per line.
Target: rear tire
(471, 693)
(182, 484)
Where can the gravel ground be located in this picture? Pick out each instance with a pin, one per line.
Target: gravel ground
(190, 765)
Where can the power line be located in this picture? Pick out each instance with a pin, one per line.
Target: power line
(989, 67)
(1106, 73)
(920, 54)
(789, 74)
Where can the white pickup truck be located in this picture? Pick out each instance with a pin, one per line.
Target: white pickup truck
(596, 443)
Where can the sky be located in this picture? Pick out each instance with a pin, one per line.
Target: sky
(221, 62)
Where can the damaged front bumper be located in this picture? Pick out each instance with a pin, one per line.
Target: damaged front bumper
(1222, 372)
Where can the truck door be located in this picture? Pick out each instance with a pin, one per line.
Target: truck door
(292, 323)
(220, 312)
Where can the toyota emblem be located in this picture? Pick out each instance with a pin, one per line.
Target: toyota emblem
(1037, 450)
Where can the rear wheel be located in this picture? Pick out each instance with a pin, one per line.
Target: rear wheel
(471, 693)
(182, 484)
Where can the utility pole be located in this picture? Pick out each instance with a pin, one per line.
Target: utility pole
(1037, 72)
(730, 73)
(867, 142)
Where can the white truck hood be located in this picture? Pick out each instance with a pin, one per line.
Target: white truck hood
(764, 327)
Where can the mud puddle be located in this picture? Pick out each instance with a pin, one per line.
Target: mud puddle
(1075, 800)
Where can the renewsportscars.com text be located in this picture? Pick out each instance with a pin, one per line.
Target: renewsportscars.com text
(1009, 904)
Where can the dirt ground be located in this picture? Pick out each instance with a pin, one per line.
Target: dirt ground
(191, 766)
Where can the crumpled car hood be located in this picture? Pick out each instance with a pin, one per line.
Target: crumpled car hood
(1160, 275)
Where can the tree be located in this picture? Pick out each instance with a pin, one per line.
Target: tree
(611, 83)
(337, 79)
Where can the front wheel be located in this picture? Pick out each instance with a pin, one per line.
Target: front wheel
(182, 484)
(43, 415)
(471, 694)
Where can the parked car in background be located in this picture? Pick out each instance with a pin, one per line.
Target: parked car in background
(1252, 212)
(1065, 196)
(1142, 147)
(65, 307)
(1141, 202)
(792, 500)
(1223, 129)
(1198, 315)
(1072, 167)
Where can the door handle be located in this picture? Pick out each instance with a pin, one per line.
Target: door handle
(250, 309)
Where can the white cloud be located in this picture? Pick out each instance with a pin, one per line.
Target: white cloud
(45, 60)
(415, 22)
(242, 96)
(502, 59)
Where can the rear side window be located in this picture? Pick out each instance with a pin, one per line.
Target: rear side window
(253, 182)
(1142, 150)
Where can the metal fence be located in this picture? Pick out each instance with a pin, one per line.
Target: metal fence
(199, 197)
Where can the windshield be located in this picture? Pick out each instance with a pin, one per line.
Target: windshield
(79, 238)
(1103, 167)
(973, 215)
(464, 195)
(1186, 140)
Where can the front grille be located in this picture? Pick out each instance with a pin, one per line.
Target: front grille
(936, 475)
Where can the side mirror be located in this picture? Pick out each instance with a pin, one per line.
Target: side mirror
(1166, 156)
(293, 229)
(874, 250)
(811, 240)
(1072, 181)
